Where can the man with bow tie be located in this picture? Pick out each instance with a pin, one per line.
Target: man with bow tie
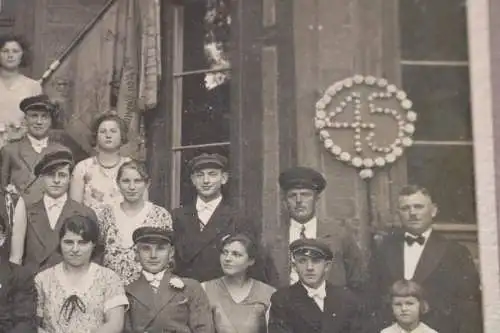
(44, 217)
(302, 187)
(200, 226)
(160, 301)
(313, 305)
(444, 268)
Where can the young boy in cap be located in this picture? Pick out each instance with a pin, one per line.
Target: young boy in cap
(44, 217)
(160, 301)
(312, 304)
(301, 188)
(18, 158)
(200, 226)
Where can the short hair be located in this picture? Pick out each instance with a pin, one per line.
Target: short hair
(247, 242)
(409, 288)
(413, 189)
(136, 165)
(111, 116)
(23, 43)
(81, 225)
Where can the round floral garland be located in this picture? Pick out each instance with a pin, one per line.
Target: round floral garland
(377, 91)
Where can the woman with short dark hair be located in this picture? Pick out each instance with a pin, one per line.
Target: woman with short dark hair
(78, 295)
(93, 181)
(239, 303)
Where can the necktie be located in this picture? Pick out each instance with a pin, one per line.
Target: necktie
(318, 296)
(303, 232)
(410, 240)
(154, 282)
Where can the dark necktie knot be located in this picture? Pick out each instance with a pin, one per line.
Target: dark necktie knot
(303, 232)
(410, 240)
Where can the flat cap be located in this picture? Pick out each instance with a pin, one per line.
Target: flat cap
(152, 234)
(302, 177)
(53, 158)
(38, 102)
(311, 247)
(208, 161)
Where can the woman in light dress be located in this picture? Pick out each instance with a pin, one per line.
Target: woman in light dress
(119, 220)
(239, 303)
(94, 179)
(14, 86)
(77, 295)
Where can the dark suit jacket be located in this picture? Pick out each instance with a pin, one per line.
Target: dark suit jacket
(17, 161)
(197, 252)
(348, 266)
(292, 311)
(169, 310)
(41, 240)
(448, 275)
(17, 299)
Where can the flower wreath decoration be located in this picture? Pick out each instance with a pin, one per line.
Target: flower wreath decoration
(365, 122)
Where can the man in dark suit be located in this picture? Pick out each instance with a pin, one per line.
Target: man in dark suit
(444, 269)
(312, 304)
(45, 217)
(160, 301)
(200, 226)
(18, 158)
(302, 187)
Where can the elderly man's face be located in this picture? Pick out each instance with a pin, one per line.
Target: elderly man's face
(417, 212)
(301, 203)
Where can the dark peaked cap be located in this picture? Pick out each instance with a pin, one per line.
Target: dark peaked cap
(152, 234)
(52, 158)
(38, 102)
(302, 177)
(207, 161)
(311, 247)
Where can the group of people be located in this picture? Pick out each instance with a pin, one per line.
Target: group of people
(84, 250)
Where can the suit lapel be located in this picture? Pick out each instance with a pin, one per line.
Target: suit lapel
(27, 154)
(39, 221)
(67, 211)
(306, 307)
(143, 293)
(430, 258)
(394, 252)
(333, 308)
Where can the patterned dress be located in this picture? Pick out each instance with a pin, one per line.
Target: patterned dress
(100, 188)
(247, 316)
(116, 234)
(100, 291)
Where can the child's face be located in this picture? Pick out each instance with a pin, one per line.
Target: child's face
(406, 310)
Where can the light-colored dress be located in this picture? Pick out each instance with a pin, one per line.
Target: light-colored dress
(100, 187)
(11, 117)
(100, 291)
(421, 328)
(247, 316)
(116, 234)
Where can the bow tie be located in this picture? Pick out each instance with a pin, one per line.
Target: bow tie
(410, 240)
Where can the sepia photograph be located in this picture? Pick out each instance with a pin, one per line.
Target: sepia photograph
(249, 166)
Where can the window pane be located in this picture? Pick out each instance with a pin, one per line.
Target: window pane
(205, 112)
(433, 29)
(206, 34)
(448, 174)
(188, 192)
(440, 96)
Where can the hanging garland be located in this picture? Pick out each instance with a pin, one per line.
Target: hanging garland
(365, 122)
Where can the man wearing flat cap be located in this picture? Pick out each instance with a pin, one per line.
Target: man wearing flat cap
(200, 226)
(312, 304)
(301, 188)
(18, 158)
(160, 301)
(44, 218)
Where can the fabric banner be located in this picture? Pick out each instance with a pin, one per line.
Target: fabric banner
(114, 66)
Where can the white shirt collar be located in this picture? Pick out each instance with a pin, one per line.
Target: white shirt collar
(298, 225)
(153, 277)
(426, 234)
(319, 292)
(51, 202)
(38, 142)
(210, 205)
